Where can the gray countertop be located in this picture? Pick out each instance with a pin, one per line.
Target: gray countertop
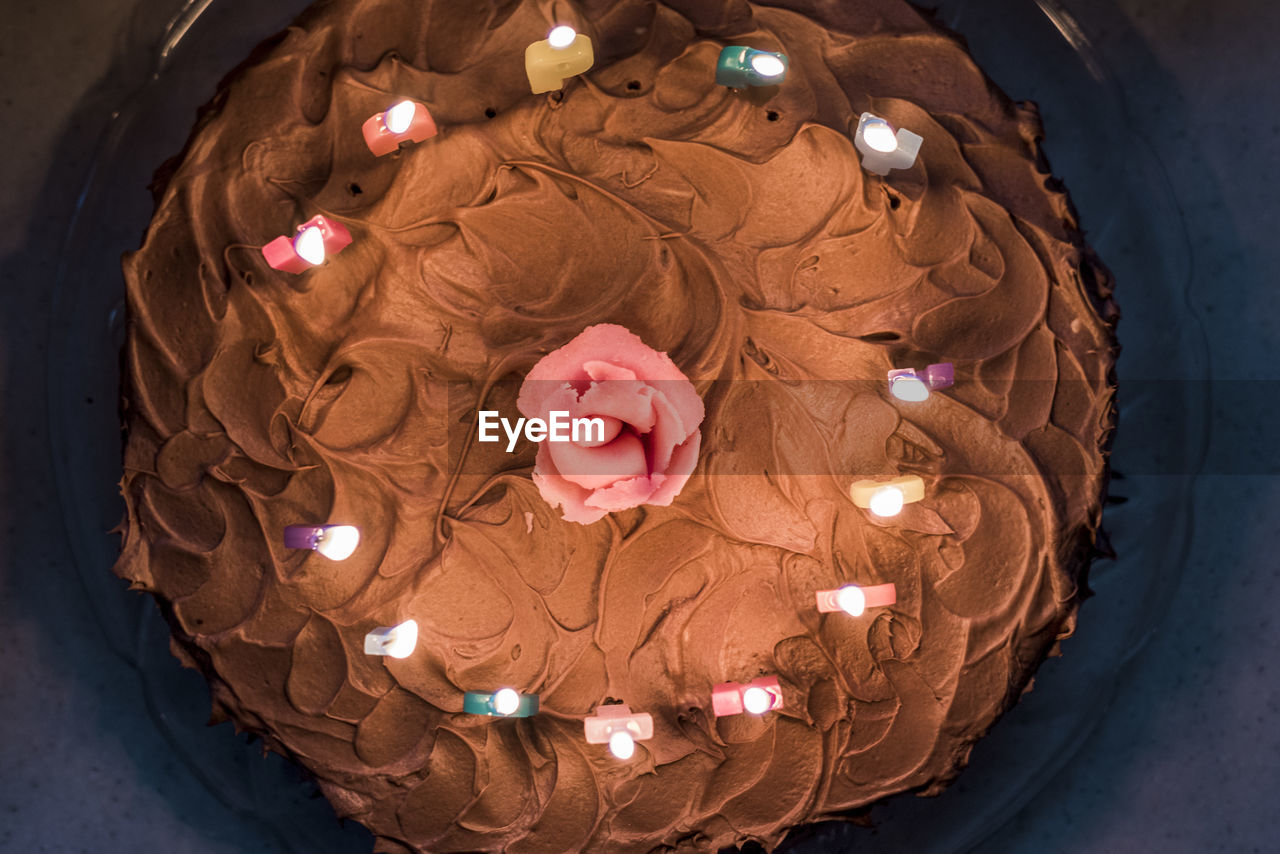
(1189, 752)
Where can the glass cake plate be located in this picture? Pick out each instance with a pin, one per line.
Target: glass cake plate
(1035, 50)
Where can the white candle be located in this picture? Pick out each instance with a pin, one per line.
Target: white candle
(882, 147)
(396, 641)
(619, 727)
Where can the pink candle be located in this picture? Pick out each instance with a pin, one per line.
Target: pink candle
(313, 241)
(853, 599)
(758, 696)
(406, 121)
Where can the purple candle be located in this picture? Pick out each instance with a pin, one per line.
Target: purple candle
(335, 542)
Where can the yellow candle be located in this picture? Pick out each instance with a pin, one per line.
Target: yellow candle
(562, 54)
(886, 497)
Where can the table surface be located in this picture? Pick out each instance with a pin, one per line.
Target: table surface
(1184, 758)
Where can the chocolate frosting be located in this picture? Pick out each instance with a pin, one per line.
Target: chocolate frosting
(735, 231)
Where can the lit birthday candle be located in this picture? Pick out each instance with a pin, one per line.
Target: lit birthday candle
(854, 599)
(740, 67)
(907, 385)
(405, 121)
(619, 727)
(887, 497)
(336, 542)
(756, 697)
(314, 240)
(503, 703)
(882, 147)
(396, 641)
(563, 54)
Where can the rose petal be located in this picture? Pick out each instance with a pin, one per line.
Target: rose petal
(629, 402)
(684, 399)
(536, 399)
(683, 461)
(608, 342)
(558, 492)
(612, 427)
(668, 431)
(622, 495)
(596, 468)
(563, 399)
(601, 371)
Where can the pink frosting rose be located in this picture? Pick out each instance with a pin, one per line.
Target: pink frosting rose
(650, 413)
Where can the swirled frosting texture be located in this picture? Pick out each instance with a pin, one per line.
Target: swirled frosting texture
(734, 231)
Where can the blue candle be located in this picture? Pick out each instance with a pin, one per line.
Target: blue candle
(503, 703)
(740, 67)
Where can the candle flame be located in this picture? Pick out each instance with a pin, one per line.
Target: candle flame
(887, 501)
(622, 744)
(851, 600)
(336, 542)
(310, 248)
(506, 701)
(909, 388)
(403, 640)
(767, 65)
(756, 700)
(398, 118)
(879, 135)
(562, 36)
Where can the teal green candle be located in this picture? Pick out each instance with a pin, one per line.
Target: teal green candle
(740, 67)
(481, 703)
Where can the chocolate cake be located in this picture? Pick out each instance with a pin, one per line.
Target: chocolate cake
(733, 230)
